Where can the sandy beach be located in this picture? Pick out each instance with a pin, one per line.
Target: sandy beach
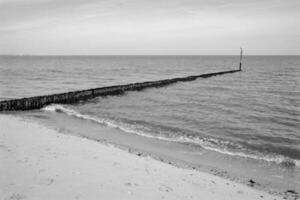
(142, 99)
(40, 163)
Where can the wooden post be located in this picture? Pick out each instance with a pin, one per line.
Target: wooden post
(241, 57)
(36, 102)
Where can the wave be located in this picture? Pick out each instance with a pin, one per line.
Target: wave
(211, 144)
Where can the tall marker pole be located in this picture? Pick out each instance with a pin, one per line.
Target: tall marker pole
(241, 57)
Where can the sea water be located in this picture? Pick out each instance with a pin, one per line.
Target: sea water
(245, 124)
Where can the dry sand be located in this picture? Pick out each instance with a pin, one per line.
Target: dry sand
(39, 163)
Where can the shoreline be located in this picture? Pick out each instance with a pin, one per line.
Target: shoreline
(43, 163)
(271, 178)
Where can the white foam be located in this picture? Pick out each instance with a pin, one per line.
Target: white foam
(206, 143)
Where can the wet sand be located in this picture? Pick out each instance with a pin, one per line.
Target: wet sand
(41, 163)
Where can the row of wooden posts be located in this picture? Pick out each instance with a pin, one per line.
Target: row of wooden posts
(38, 102)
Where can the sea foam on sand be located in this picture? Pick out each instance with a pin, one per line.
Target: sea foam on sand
(39, 163)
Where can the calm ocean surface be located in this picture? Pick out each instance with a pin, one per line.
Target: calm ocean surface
(253, 114)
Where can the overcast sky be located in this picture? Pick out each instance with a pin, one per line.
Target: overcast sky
(105, 27)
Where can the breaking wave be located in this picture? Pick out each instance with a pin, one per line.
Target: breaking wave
(211, 144)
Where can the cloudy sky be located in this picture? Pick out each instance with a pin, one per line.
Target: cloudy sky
(105, 27)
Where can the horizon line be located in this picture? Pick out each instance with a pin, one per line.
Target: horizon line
(148, 55)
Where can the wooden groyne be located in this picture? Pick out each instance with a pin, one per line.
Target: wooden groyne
(38, 102)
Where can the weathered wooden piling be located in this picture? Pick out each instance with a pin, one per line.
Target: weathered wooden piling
(38, 102)
(241, 58)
